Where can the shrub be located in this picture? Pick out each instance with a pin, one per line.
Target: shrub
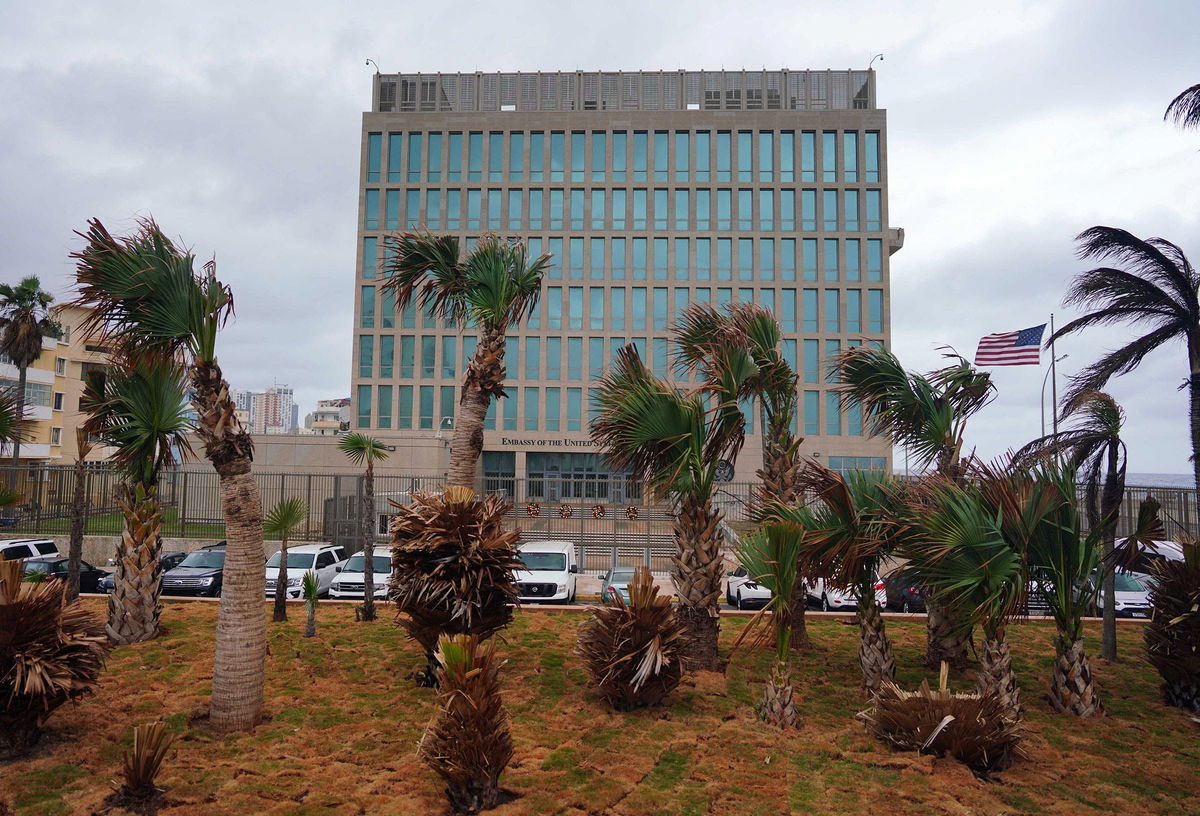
(1172, 636)
(141, 765)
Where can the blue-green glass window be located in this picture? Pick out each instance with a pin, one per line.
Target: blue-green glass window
(595, 358)
(875, 311)
(578, 154)
(833, 414)
(724, 297)
(746, 406)
(616, 307)
(766, 297)
(703, 209)
(639, 344)
(494, 208)
(681, 301)
(512, 350)
(387, 309)
(850, 156)
(854, 310)
(392, 209)
(812, 418)
(453, 209)
(745, 295)
(552, 409)
(833, 311)
(593, 406)
(681, 209)
(787, 210)
(811, 318)
(620, 150)
(574, 409)
(745, 259)
(557, 159)
(599, 159)
(414, 157)
(489, 421)
(362, 404)
(704, 295)
(682, 155)
(534, 320)
(454, 149)
(554, 308)
(661, 213)
(766, 258)
(474, 156)
(617, 259)
(428, 355)
(829, 210)
(387, 356)
(575, 305)
(371, 210)
(474, 205)
(745, 210)
(574, 358)
(661, 307)
(599, 216)
(850, 209)
(808, 155)
(874, 260)
(433, 170)
(516, 156)
(374, 156)
(615, 344)
(766, 155)
(703, 148)
(366, 355)
(871, 149)
(724, 205)
(745, 157)
(808, 210)
(829, 155)
(660, 258)
(808, 259)
(658, 356)
(433, 209)
(495, 156)
(577, 214)
(829, 250)
(509, 410)
(533, 399)
(384, 407)
(395, 157)
(682, 259)
(619, 199)
(854, 419)
(556, 209)
(639, 307)
(537, 150)
(367, 308)
(596, 265)
(724, 155)
(370, 257)
(537, 205)
(812, 361)
(449, 356)
(661, 167)
(787, 156)
(766, 210)
(787, 310)
(553, 358)
(407, 352)
(853, 259)
(724, 259)
(515, 217)
(596, 308)
(575, 258)
(639, 258)
(533, 358)
(787, 259)
(639, 209)
(404, 407)
(874, 216)
(703, 259)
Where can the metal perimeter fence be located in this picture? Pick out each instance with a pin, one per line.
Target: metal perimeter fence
(611, 520)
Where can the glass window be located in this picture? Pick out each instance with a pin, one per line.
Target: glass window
(474, 207)
(724, 155)
(574, 409)
(575, 303)
(658, 356)
(554, 308)
(434, 168)
(574, 358)
(468, 350)
(533, 398)
(745, 210)
(616, 302)
(853, 259)
(787, 310)
(595, 357)
(875, 311)
(660, 307)
(552, 409)
(681, 301)
(724, 205)
(575, 258)
(557, 261)
(618, 209)
(724, 259)
(366, 355)
(808, 155)
(449, 357)
(404, 407)
(620, 149)
(489, 421)
(556, 209)
(367, 308)
(745, 259)
(371, 210)
(830, 252)
(829, 210)
(744, 142)
(414, 157)
(577, 214)
(766, 297)
(833, 414)
(599, 160)
(374, 156)
(384, 407)
(874, 216)
(660, 258)
(812, 419)
(407, 352)
(850, 207)
(553, 358)
(874, 260)
(724, 298)
(428, 353)
(557, 157)
(514, 208)
(640, 145)
(494, 209)
(616, 260)
(854, 310)
(681, 209)
(808, 210)
(787, 156)
(537, 149)
(854, 419)
(812, 361)
(433, 209)
(495, 156)
(766, 155)
(387, 355)
(660, 155)
(703, 258)
(578, 154)
(787, 259)
(682, 261)
(454, 146)
(639, 258)
(833, 311)
(808, 250)
(370, 253)
(703, 148)
(516, 156)
(661, 212)
(871, 148)
(639, 209)
(453, 209)
(829, 155)
(426, 408)
(537, 203)
(787, 210)
(811, 317)
(850, 156)
(362, 403)
(387, 309)
(703, 209)
(682, 155)
(766, 258)
(533, 358)
(704, 295)
(596, 258)
(395, 157)
(599, 218)
(639, 307)
(766, 210)
(509, 409)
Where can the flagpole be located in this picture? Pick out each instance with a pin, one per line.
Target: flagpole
(1053, 378)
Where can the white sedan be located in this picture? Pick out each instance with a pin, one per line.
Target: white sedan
(830, 599)
(743, 591)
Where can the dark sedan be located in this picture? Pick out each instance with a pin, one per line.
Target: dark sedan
(166, 562)
(55, 568)
(199, 573)
(903, 592)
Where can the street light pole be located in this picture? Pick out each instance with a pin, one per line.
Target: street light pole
(1045, 379)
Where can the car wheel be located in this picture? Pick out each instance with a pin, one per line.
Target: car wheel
(738, 600)
(824, 603)
(728, 595)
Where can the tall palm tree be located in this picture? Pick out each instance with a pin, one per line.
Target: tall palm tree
(1184, 109)
(493, 288)
(281, 523)
(79, 504)
(674, 441)
(1095, 449)
(1154, 289)
(927, 414)
(705, 335)
(362, 449)
(147, 297)
(24, 320)
(137, 407)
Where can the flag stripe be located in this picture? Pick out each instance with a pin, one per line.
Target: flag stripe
(1011, 348)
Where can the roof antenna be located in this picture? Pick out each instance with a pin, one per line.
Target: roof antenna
(872, 62)
(373, 62)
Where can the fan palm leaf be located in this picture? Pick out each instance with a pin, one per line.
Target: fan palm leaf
(1184, 109)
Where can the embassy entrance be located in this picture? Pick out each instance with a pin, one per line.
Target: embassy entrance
(555, 476)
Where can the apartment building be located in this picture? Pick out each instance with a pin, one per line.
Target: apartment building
(650, 190)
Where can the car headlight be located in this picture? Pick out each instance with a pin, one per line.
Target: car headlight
(294, 581)
(562, 587)
(210, 580)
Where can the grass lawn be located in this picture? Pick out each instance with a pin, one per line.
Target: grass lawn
(344, 719)
(113, 524)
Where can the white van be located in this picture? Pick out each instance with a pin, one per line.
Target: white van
(549, 574)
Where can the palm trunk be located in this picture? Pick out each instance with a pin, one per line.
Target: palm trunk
(874, 650)
(996, 675)
(483, 382)
(1072, 687)
(280, 613)
(241, 639)
(22, 376)
(310, 626)
(133, 607)
(368, 541)
(778, 706)
(945, 641)
(699, 567)
(1111, 507)
(78, 518)
(1194, 414)
(778, 474)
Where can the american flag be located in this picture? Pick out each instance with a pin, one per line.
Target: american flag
(1011, 348)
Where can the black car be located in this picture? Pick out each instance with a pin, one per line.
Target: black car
(55, 568)
(199, 573)
(903, 592)
(166, 562)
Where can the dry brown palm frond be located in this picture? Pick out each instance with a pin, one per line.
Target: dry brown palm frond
(972, 728)
(632, 653)
(1172, 637)
(51, 652)
(141, 765)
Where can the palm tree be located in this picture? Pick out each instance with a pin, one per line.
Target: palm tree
(147, 297)
(493, 288)
(1184, 109)
(137, 408)
(706, 336)
(1094, 448)
(927, 414)
(309, 590)
(281, 523)
(1156, 289)
(362, 449)
(13, 427)
(79, 504)
(24, 320)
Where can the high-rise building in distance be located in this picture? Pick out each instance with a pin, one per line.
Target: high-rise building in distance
(650, 190)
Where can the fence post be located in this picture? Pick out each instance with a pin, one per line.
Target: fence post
(308, 501)
(183, 507)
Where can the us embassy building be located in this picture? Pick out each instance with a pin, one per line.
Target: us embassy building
(650, 190)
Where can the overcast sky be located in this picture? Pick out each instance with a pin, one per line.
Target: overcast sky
(237, 125)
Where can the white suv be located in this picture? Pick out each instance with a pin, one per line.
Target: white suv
(325, 560)
(349, 582)
(14, 548)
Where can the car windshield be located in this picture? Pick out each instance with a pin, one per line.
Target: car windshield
(31, 567)
(1127, 583)
(208, 559)
(621, 577)
(379, 563)
(544, 562)
(295, 560)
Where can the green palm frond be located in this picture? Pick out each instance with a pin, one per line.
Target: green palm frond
(309, 589)
(282, 520)
(360, 448)
(24, 320)
(1184, 109)
(771, 556)
(14, 425)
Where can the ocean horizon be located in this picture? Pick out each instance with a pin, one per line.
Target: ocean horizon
(1180, 480)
